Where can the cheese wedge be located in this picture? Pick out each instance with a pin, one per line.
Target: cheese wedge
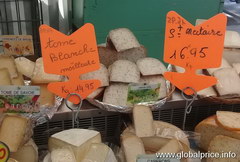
(143, 121)
(63, 155)
(236, 66)
(224, 64)
(25, 66)
(15, 131)
(232, 39)
(5, 78)
(207, 92)
(99, 152)
(28, 152)
(79, 140)
(132, 147)
(8, 62)
(46, 98)
(225, 85)
(40, 76)
(18, 80)
(228, 120)
(173, 146)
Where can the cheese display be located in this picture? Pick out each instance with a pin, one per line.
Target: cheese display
(116, 94)
(124, 71)
(151, 66)
(26, 153)
(122, 39)
(221, 144)
(5, 78)
(107, 56)
(173, 146)
(8, 62)
(96, 93)
(132, 147)
(207, 92)
(15, 131)
(143, 121)
(100, 74)
(40, 76)
(232, 39)
(79, 140)
(228, 120)
(62, 155)
(99, 152)
(133, 54)
(149, 137)
(25, 66)
(46, 98)
(226, 86)
(18, 80)
(208, 128)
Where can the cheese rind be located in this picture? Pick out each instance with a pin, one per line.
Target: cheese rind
(46, 98)
(99, 152)
(18, 80)
(143, 121)
(28, 152)
(79, 140)
(63, 155)
(25, 66)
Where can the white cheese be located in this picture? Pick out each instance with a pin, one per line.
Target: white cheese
(79, 140)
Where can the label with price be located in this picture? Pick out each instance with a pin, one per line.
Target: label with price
(70, 56)
(193, 47)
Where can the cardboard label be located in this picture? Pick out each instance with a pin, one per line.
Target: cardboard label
(193, 47)
(18, 45)
(19, 99)
(4, 152)
(70, 56)
(138, 93)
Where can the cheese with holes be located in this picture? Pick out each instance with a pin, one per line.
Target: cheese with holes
(143, 121)
(15, 131)
(99, 152)
(63, 155)
(79, 140)
(8, 62)
(29, 153)
(5, 77)
(25, 66)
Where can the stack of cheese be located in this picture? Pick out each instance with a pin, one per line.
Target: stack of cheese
(78, 145)
(16, 132)
(221, 133)
(228, 74)
(35, 72)
(148, 136)
(127, 63)
(12, 72)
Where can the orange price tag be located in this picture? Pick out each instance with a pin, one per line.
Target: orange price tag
(70, 56)
(193, 47)
(4, 152)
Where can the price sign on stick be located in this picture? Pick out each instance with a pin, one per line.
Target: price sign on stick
(70, 56)
(193, 47)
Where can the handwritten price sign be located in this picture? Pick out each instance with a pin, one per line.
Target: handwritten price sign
(70, 56)
(193, 47)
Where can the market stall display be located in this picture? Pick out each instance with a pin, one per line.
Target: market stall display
(127, 63)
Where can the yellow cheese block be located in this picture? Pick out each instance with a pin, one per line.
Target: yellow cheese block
(15, 131)
(27, 153)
